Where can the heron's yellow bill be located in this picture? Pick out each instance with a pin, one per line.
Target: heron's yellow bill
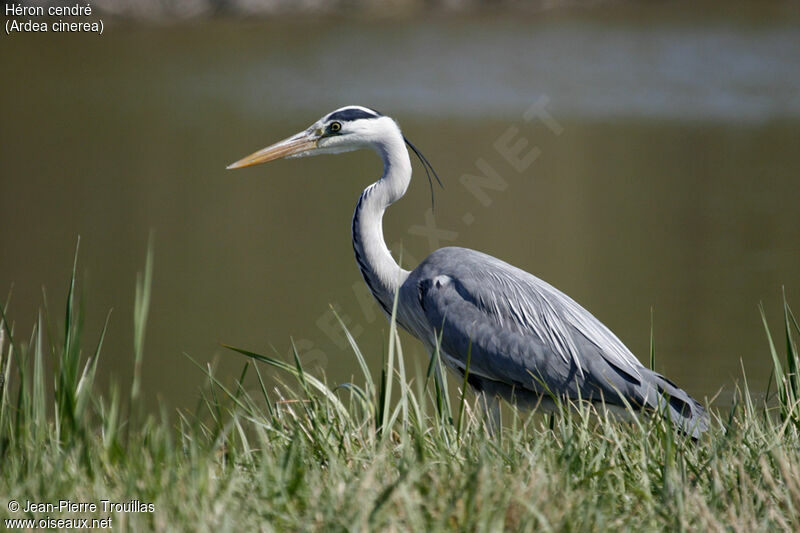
(295, 144)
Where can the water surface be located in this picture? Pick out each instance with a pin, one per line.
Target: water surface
(672, 185)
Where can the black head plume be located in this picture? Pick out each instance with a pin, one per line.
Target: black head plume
(427, 166)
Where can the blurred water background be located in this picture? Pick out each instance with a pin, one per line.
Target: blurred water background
(667, 179)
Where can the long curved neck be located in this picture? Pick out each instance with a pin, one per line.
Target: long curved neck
(381, 272)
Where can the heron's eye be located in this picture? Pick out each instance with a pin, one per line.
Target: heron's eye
(335, 127)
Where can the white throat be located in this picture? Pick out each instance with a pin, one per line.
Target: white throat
(381, 272)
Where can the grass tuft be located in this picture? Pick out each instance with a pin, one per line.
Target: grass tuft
(787, 377)
(279, 448)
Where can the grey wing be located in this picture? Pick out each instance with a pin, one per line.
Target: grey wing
(502, 303)
(520, 331)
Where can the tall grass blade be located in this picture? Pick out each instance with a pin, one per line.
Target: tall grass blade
(90, 370)
(386, 392)
(362, 363)
(311, 380)
(141, 309)
(39, 398)
(780, 378)
(401, 367)
(5, 333)
(464, 391)
(791, 353)
(652, 341)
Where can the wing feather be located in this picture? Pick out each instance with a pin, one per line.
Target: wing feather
(479, 294)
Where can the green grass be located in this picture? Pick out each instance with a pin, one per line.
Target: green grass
(399, 453)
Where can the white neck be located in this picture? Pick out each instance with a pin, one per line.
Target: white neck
(381, 272)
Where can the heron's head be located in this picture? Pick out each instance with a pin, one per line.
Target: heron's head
(348, 128)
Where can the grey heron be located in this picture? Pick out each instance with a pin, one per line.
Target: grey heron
(527, 341)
